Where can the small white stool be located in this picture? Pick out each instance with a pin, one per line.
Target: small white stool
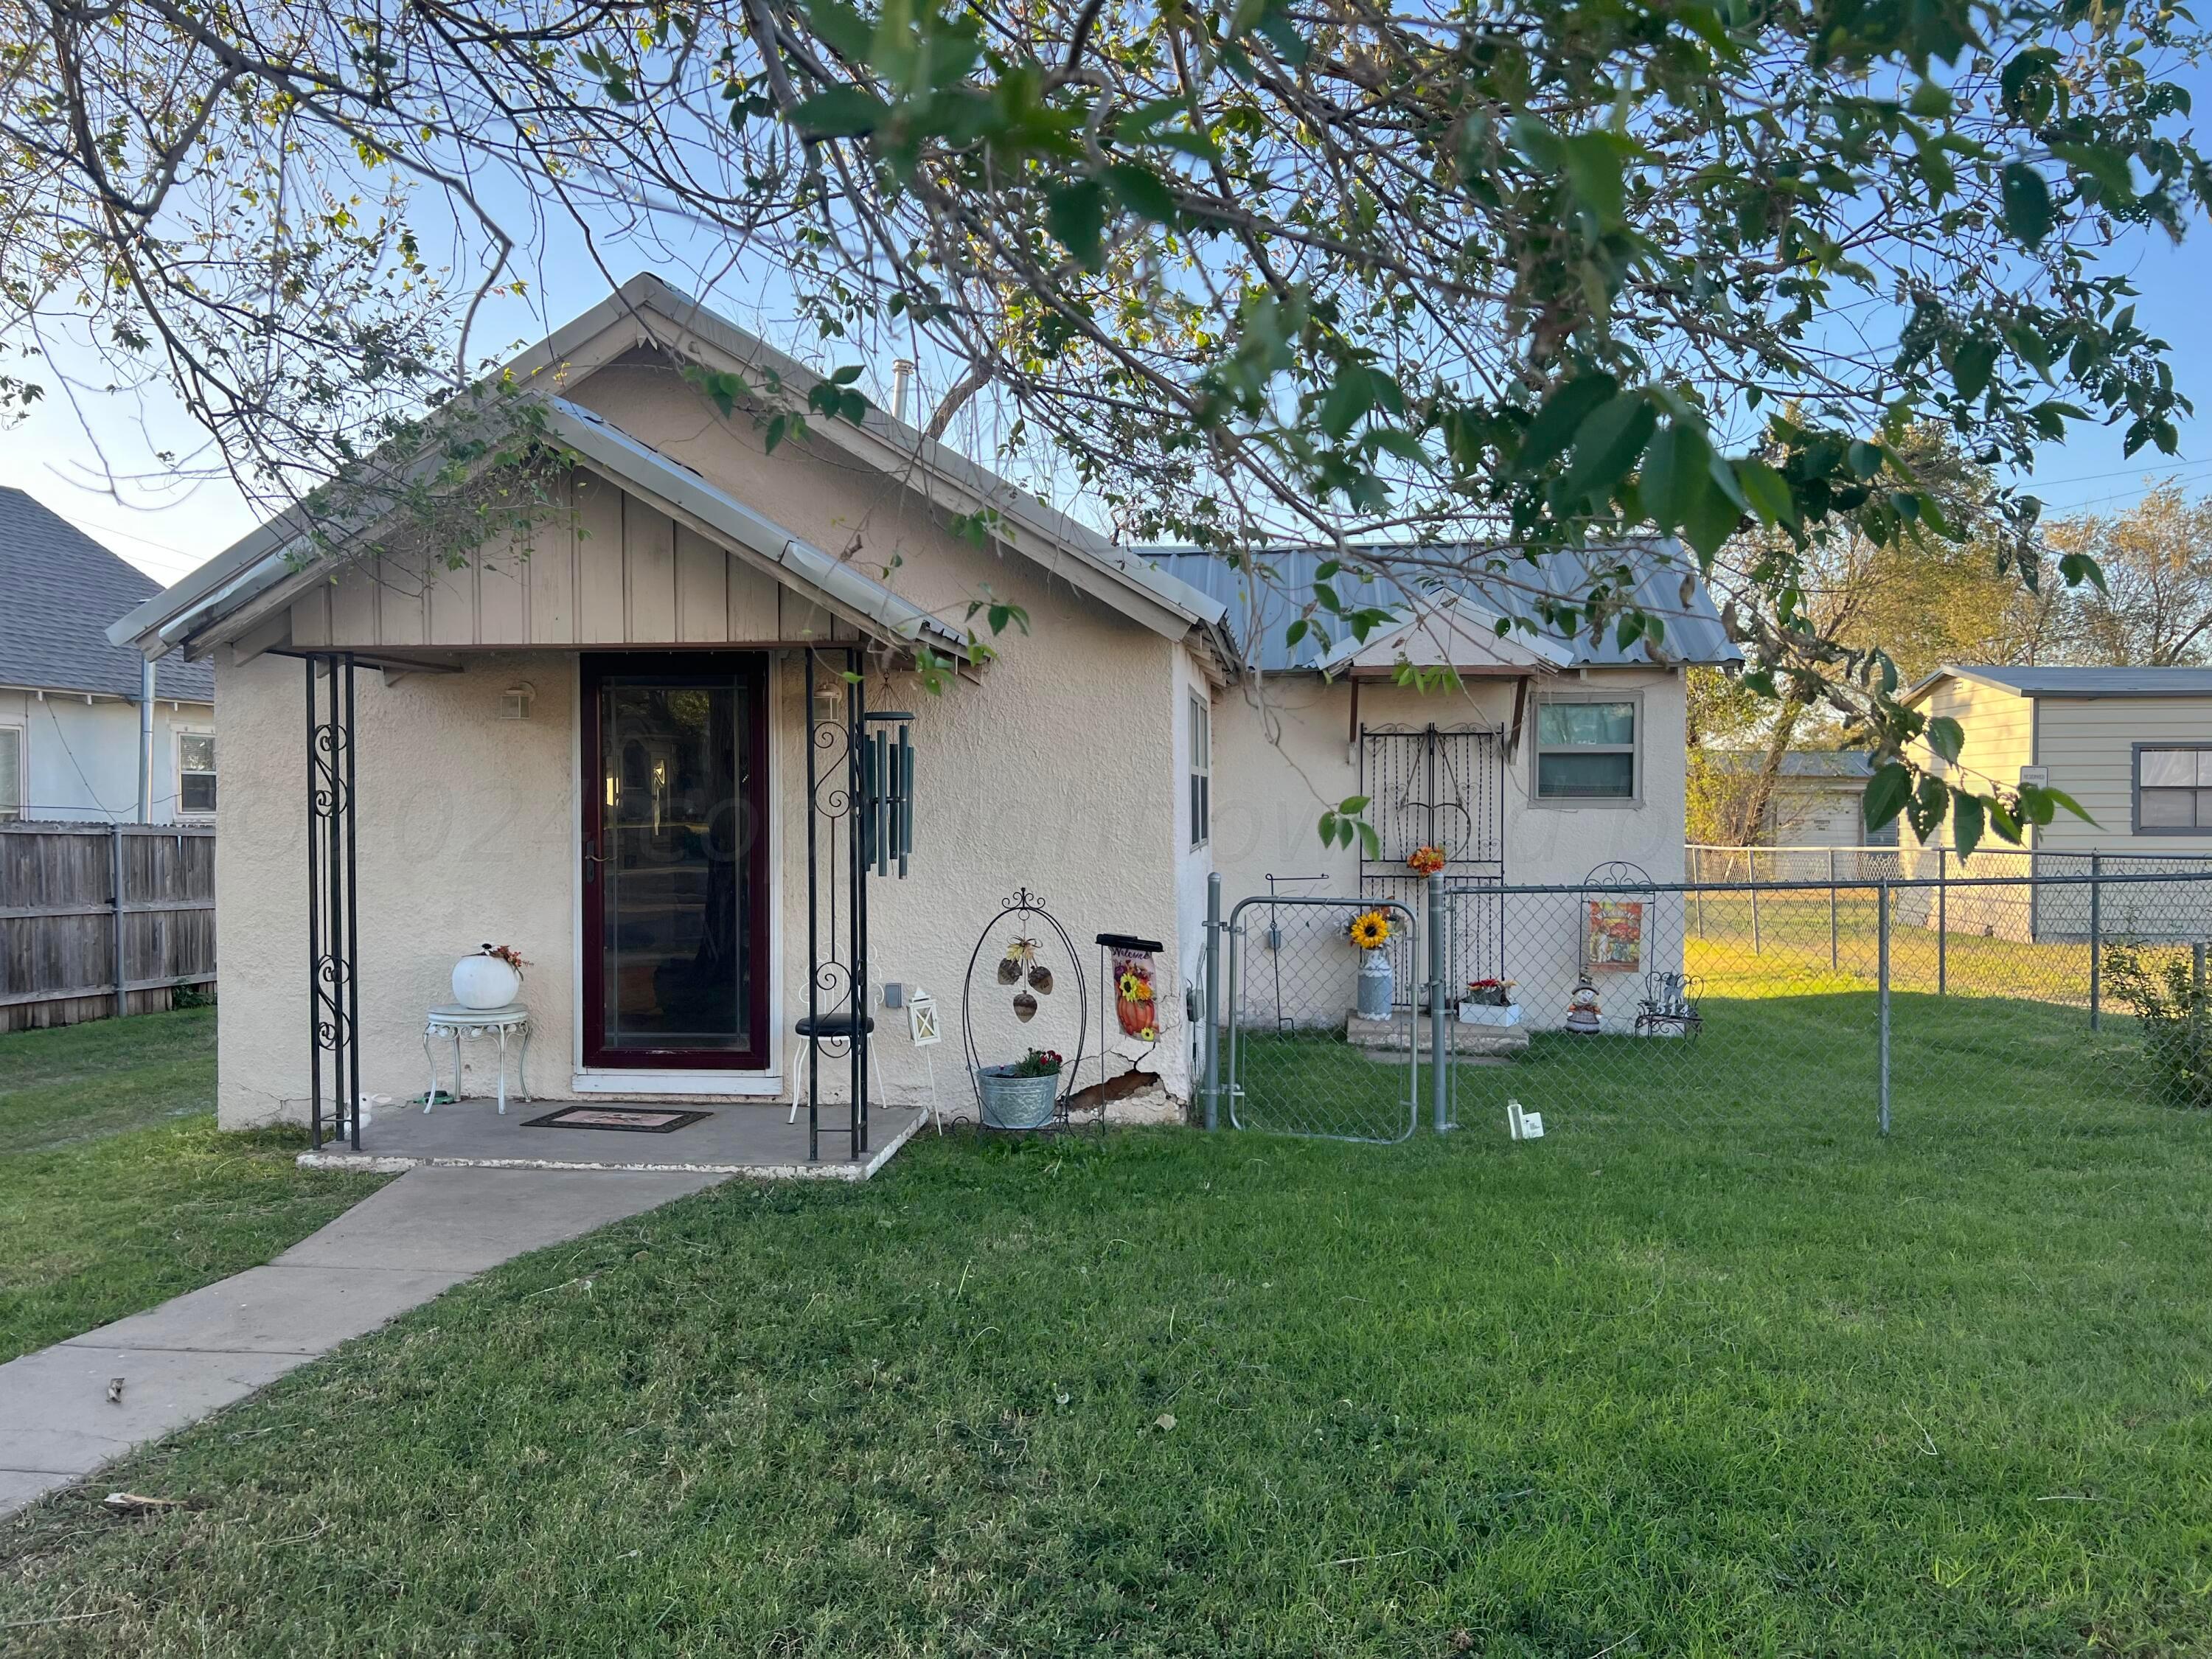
(453, 1020)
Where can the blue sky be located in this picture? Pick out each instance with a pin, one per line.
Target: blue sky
(166, 532)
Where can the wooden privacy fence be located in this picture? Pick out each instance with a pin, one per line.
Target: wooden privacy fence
(100, 918)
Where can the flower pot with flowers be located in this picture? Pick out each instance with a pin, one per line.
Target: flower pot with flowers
(1022, 1096)
(1489, 1002)
(1425, 861)
(1369, 934)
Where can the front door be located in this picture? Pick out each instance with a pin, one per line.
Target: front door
(676, 861)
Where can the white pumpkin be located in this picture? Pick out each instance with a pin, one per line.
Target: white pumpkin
(481, 982)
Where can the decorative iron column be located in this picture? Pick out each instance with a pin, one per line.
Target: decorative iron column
(859, 799)
(333, 909)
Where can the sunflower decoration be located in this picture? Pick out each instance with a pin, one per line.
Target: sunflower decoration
(1133, 996)
(1369, 930)
(1425, 861)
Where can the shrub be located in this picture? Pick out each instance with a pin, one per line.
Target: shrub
(2161, 991)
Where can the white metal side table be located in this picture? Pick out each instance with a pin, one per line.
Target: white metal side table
(453, 1020)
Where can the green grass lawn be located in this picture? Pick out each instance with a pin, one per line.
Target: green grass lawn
(116, 1190)
(1631, 1389)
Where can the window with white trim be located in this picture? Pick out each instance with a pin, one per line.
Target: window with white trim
(1202, 772)
(1586, 749)
(195, 775)
(11, 771)
(2173, 789)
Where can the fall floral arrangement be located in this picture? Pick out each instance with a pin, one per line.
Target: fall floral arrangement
(1490, 993)
(506, 953)
(1038, 1063)
(1133, 997)
(1425, 861)
(1369, 930)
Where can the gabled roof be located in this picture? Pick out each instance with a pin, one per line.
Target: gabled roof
(1462, 635)
(273, 576)
(2040, 681)
(658, 315)
(1834, 765)
(59, 589)
(646, 310)
(1273, 586)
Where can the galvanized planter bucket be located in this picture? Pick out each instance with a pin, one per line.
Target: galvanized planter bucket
(1016, 1103)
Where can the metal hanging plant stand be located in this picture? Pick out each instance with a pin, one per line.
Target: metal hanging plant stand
(1009, 1097)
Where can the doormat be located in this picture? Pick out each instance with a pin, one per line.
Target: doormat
(638, 1120)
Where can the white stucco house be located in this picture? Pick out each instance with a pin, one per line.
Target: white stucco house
(71, 731)
(596, 748)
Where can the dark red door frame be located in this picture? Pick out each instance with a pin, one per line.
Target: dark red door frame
(677, 669)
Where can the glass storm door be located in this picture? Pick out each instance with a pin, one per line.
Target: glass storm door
(675, 877)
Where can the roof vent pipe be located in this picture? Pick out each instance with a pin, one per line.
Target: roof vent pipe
(902, 377)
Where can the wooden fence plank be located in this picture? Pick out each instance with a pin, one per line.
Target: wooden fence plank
(99, 918)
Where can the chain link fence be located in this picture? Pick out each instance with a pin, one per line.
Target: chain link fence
(1300, 1057)
(1987, 1003)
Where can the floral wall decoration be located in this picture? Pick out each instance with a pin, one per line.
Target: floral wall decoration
(1135, 1003)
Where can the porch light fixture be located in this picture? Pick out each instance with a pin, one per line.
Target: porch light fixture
(515, 701)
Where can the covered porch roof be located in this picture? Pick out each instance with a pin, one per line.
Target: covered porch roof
(644, 523)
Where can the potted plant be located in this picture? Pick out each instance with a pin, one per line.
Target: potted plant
(492, 978)
(1489, 1002)
(1022, 1096)
(1370, 933)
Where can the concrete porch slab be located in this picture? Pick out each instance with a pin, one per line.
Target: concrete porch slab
(735, 1138)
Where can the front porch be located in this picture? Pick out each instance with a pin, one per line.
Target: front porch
(737, 1137)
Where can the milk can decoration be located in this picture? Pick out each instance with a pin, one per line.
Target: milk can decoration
(1371, 932)
(492, 978)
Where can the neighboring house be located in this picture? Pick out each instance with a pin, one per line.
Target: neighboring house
(2133, 746)
(68, 697)
(1818, 798)
(598, 753)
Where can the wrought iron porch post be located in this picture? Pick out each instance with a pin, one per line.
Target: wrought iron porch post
(813, 940)
(333, 906)
(856, 855)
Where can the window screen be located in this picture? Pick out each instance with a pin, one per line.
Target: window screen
(194, 773)
(2173, 789)
(1585, 751)
(1202, 773)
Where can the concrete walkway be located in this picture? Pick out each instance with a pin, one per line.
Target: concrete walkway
(398, 1248)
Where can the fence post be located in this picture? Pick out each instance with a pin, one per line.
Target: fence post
(115, 865)
(1211, 1042)
(2096, 941)
(1751, 868)
(1882, 998)
(1439, 1033)
(2197, 998)
(1942, 923)
(1832, 910)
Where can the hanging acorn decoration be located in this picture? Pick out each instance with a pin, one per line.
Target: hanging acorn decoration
(1010, 972)
(1025, 1007)
(1040, 979)
(1019, 955)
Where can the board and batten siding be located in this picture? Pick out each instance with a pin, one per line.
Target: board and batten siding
(2000, 736)
(2088, 744)
(612, 570)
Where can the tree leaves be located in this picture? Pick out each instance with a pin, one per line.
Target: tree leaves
(2029, 213)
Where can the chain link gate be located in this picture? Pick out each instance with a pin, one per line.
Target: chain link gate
(1300, 1060)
